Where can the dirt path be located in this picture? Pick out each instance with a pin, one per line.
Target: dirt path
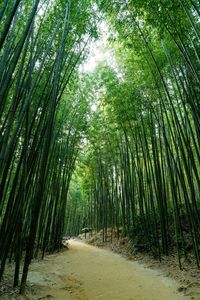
(88, 273)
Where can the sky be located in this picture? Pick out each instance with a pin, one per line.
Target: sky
(99, 51)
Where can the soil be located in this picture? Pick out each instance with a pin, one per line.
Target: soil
(188, 279)
(85, 272)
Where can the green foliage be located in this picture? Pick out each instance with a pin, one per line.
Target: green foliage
(143, 151)
(43, 119)
(113, 148)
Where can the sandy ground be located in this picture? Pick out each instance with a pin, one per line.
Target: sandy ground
(85, 272)
(188, 278)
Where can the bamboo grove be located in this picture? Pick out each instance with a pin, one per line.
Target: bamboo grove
(136, 155)
(42, 120)
(140, 171)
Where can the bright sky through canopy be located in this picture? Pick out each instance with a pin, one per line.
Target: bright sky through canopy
(99, 51)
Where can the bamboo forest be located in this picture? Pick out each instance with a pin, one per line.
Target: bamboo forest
(99, 135)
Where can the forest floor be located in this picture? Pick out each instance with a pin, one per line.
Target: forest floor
(188, 279)
(85, 272)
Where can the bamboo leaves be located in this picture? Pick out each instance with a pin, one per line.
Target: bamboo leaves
(39, 137)
(153, 173)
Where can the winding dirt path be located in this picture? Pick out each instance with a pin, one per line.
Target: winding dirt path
(89, 273)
